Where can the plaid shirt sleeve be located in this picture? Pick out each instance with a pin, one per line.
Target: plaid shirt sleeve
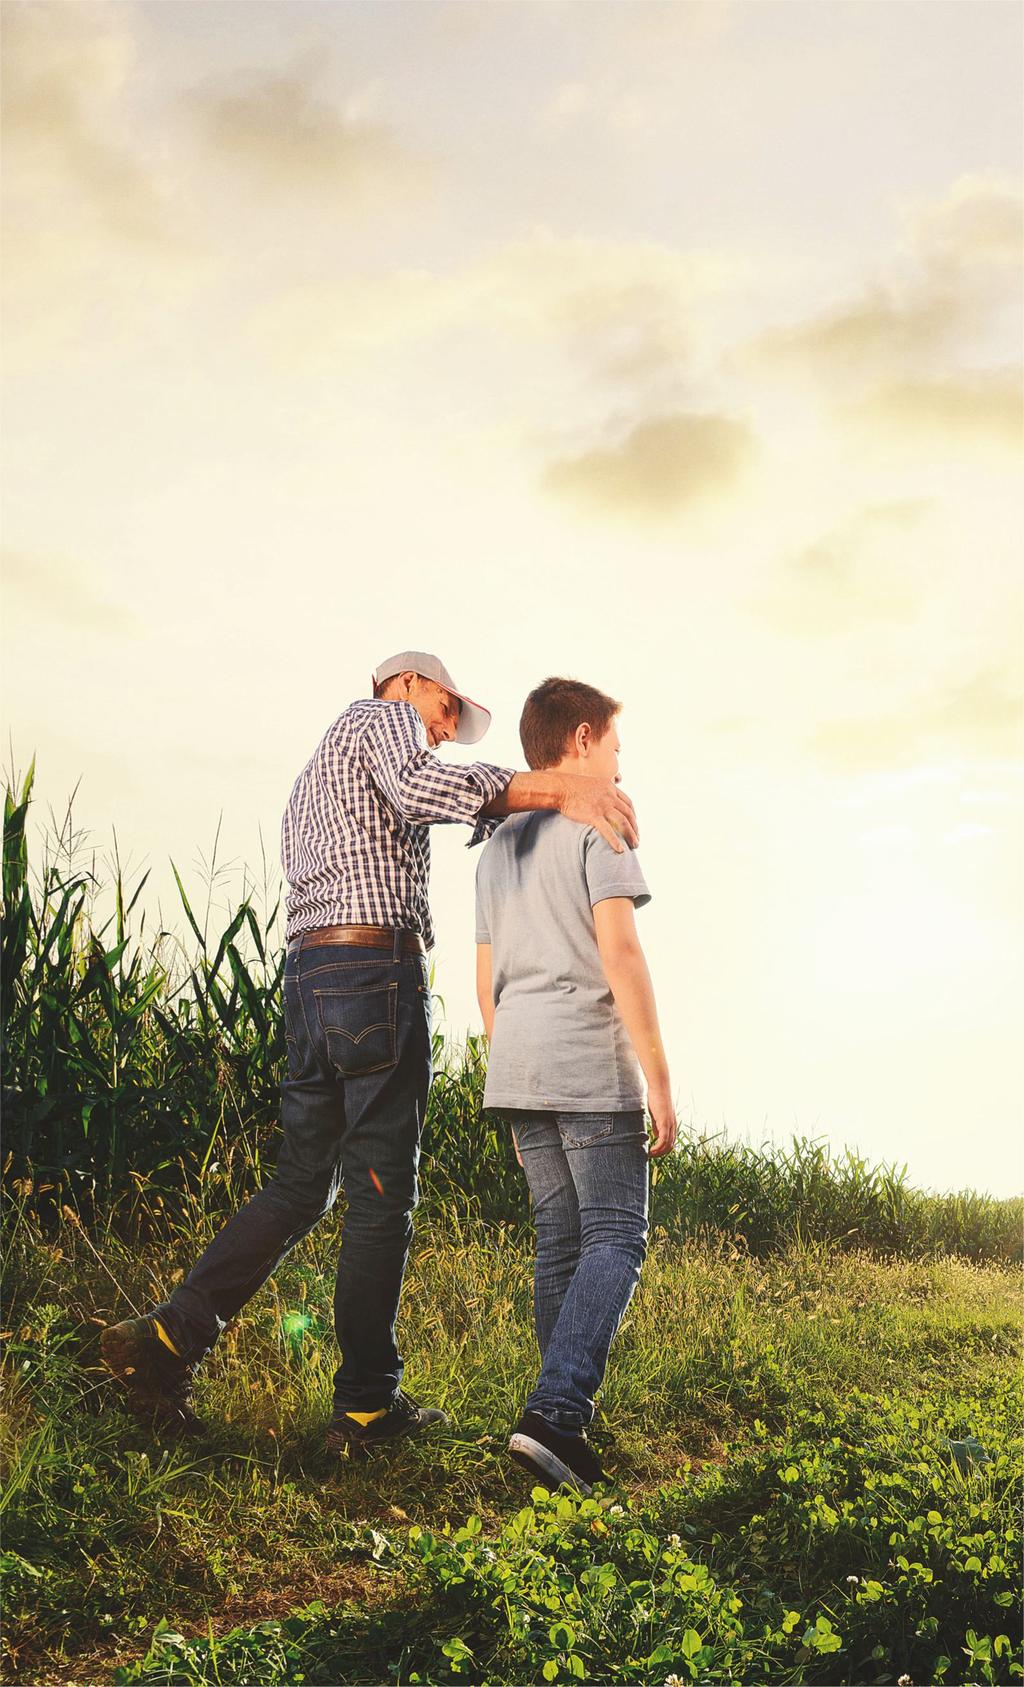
(422, 790)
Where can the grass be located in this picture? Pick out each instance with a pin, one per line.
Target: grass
(781, 1417)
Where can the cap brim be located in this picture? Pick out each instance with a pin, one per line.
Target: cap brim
(474, 720)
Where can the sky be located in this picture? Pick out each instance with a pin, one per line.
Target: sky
(675, 347)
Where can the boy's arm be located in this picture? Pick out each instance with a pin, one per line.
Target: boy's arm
(485, 997)
(484, 987)
(630, 983)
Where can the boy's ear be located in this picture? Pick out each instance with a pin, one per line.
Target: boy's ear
(582, 738)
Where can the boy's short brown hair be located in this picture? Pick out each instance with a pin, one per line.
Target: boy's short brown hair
(553, 711)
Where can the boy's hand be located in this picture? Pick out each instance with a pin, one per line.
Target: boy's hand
(663, 1122)
(601, 804)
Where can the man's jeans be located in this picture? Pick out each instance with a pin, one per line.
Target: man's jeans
(352, 1108)
(588, 1178)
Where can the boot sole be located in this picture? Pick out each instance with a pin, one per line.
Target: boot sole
(541, 1461)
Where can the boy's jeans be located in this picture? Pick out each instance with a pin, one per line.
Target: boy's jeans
(588, 1178)
(352, 1108)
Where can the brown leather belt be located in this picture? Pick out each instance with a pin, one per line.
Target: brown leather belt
(364, 937)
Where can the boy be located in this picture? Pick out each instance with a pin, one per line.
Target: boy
(569, 1011)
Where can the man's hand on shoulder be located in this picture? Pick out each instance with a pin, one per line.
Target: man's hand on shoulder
(590, 802)
(600, 803)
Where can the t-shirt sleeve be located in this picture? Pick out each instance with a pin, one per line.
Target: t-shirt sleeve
(609, 874)
(483, 924)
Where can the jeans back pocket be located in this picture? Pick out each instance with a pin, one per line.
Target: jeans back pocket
(579, 1130)
(359, 1026)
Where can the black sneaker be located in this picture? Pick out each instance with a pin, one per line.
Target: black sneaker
(403, 1417)
(159, 1384)
(554, 1455)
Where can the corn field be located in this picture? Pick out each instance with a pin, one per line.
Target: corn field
(135, 1070)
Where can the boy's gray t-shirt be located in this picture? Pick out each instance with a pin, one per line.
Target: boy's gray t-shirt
(559, 1040)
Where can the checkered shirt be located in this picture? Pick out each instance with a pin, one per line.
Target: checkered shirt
(354, 841)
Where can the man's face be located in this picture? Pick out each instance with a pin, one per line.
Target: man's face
(437, 708)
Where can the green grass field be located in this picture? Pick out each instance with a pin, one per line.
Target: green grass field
(785, 1508)
(812, 1415)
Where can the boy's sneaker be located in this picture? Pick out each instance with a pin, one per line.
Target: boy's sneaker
(403, 1417)
(556, 1456)
(158, 1382)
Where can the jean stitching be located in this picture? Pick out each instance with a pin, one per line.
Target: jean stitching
(390, 1025)
(351, 966)
(594, 1136)
(302, 1002)
(572, 1321)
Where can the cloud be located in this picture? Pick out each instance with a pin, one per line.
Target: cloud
(56, 590)
(288, 137)
(625, 313)
(982, 717)
(958, 270)
(880, 330)
(64, 70)
(658, 468)
(631, 332)
(979, 221)
(984, 406)
(95, 238)
(846, 578)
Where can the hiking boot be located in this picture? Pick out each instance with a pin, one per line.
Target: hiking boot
(158, 1382)
(403, 1417)
(558, 1457)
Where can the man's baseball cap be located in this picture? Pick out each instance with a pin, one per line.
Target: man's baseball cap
(474, 719)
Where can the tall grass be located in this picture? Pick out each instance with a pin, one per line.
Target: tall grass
(136, 1067)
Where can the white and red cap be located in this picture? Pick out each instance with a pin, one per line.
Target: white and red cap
(474, 719)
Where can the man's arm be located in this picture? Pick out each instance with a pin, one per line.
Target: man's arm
(630, 983)
(420, 788)
(426, 791)
(591, 802)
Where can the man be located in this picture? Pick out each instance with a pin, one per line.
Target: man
(355, 851)
(569, 1012)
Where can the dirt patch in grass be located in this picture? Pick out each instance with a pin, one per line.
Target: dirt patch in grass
(95, 1666)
